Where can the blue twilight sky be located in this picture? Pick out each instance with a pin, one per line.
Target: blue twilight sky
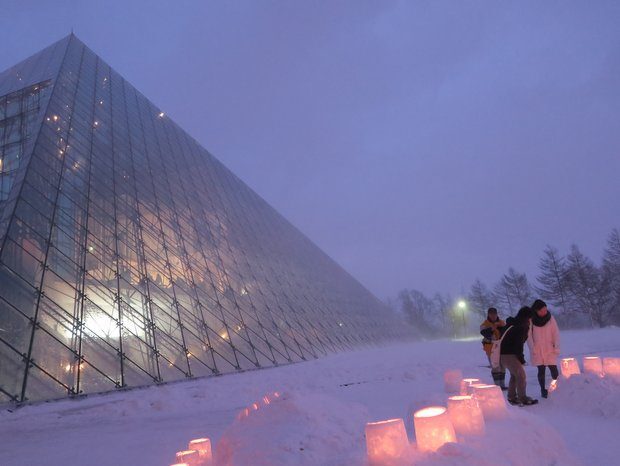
(421, 144)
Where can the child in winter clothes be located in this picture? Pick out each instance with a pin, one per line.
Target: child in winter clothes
(544, 343)
(490, 330)
(511, 356)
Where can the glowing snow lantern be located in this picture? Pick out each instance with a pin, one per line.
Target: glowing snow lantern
(593, 365)
(570, 367)
(611, 367)
(452, 380)
(553, 385)
(386, 441)
(203, 447)
(433, 428)
(243, 413)
(466, 386)
(466, 415)
(190, 457)
(491, 400)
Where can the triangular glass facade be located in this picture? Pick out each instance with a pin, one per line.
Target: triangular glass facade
(131, 256)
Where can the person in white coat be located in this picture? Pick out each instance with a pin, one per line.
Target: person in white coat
(544, 343)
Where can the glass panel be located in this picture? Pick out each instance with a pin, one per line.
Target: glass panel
(155, 263)
(18, 116)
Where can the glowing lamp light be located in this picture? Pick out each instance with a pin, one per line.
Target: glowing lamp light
(452, 380)
(203, 447)
(611, 367)
(433, 428)
(570, 367)
(491, 401)
(191, 457)
(386, 441)
(466, 386)
(179, 464)
(593, 365)
(466, 415)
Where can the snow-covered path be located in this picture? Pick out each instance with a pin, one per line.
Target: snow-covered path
(321, 416)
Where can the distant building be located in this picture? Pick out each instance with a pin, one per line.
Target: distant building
(130, 256)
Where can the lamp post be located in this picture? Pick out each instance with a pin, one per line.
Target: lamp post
(462, 305)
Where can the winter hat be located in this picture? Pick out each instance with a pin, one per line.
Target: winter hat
(524, 314)
(538, 305)
(492, 310)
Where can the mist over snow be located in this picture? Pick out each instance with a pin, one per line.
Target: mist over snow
(320, 415)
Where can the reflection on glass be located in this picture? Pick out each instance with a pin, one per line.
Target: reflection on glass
(132, 256)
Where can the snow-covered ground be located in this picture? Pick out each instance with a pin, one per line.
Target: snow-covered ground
(319, 418)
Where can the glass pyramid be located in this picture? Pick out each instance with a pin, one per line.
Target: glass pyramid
(130, 256)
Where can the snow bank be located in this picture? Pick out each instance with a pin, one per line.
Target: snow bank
(315, 429)
(588, 394)
(520, 439)
(301, 429)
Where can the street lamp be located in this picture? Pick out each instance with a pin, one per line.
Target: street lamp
(462, 305)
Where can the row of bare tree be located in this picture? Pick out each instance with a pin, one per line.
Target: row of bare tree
(578, 291)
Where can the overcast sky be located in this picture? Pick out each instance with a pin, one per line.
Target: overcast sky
(421, 144)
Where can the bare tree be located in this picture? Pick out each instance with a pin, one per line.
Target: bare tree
(573, 283)
(443, 305)
(426, 310)
(588, 287)
(513, 290)
(415, 306)
(428, 315)
(407, 307)
(481, 298)
(553, 279)
(611, 271)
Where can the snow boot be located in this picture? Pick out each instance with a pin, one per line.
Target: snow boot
(527, 401)
(499, 378)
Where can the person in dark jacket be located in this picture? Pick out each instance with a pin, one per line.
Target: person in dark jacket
(514, 337)
(490, 329)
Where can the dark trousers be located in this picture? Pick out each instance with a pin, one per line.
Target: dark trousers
(516, 386)
(541, 374)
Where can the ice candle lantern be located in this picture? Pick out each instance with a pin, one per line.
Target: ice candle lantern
(203, 447)
(611, 367)
(386, 441)
(452, 380)
(491, 400)
(553, 385)
(466, 415)
(190, 457)
(570, 367)
(593, 365)
(466, 386)
(433, 428)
